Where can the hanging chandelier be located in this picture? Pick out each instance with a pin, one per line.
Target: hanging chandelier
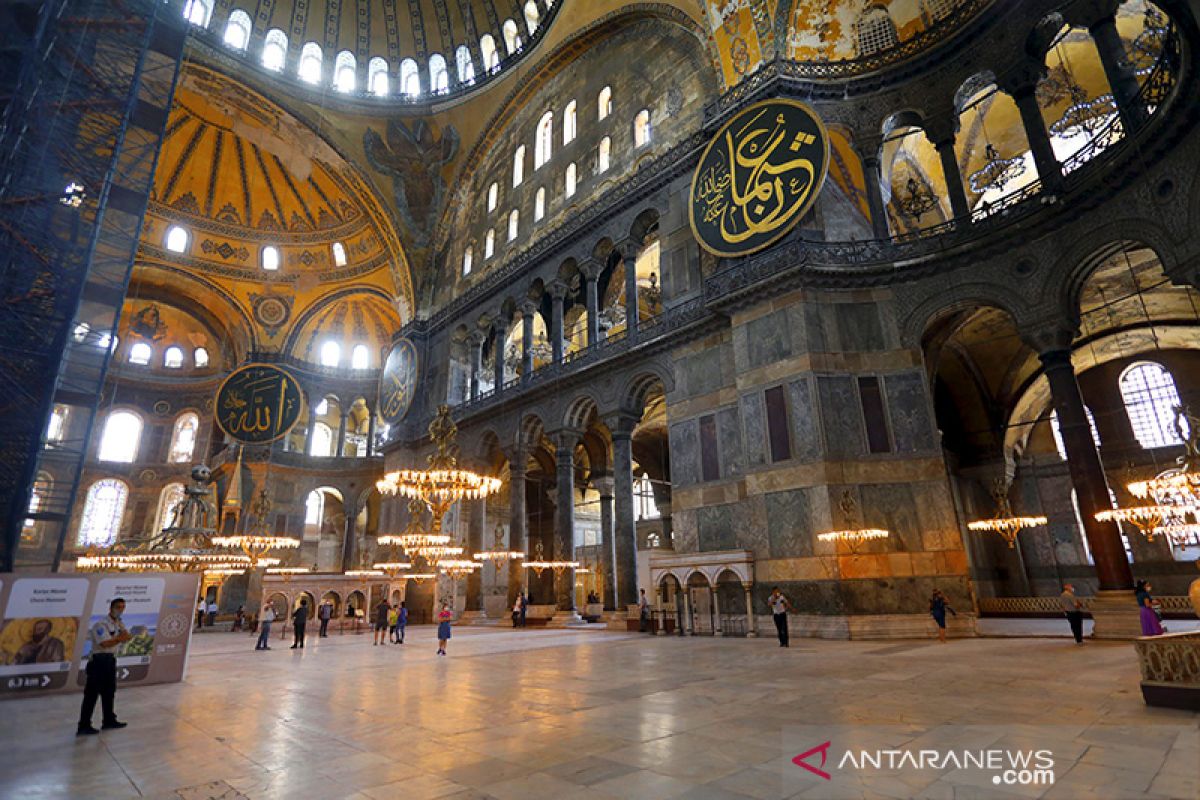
(919, 199)
(414, 539)
(287, 573)
(1147, 46)
(851, 533)
(996, 172)
(498, 554)
(1084, 115)
(391, 568)
(1174, 494)
(539, 564)
(1005, 523)
(418, 576)
(457, 568)
(259, 540)
(363, 573)
(443, 484)
(435, 554)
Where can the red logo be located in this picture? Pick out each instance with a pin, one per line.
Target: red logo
(800, 760)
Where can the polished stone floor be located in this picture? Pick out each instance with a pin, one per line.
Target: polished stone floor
(587, 714)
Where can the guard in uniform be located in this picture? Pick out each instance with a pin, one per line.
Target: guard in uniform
(107, 635)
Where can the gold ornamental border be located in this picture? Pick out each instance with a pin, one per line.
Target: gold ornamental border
(230, 376)
(820, 182)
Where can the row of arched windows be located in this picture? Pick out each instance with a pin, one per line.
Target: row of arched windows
(122, 437)
(239, 26)
(142, 353)
(331, 355)
(178, 239)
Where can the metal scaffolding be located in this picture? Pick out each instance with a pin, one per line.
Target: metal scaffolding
(79, 142)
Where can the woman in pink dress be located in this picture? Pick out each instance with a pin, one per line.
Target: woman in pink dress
(444, 617)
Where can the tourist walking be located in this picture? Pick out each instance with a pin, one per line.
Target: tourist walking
(516, 614)
(299, 622)
(239, 619)
(106, 636)
(381, 621)
(444, 617)
(1073, 609)
(937, 609)
(212, 613)
(324, 613)
(201, 607)
(643, 612)
(524, 607)
(401, 622)
(393, 621)
(779, 608)
(1151, 624)
(264, 624)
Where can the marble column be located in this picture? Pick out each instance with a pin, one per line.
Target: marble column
(341, 435)
(624, 530)
(1087, 471)
(499, 333)
(312, 424)
(942, 138)
(516, 521)
(750, 625)
(564, 516)
(879, 221)
(528, 309)
(349, 543)
(370, 431)
(476, 517)
(1049, 170)
(558, 296)
(631, 291)
(591, 274)
(475, 342)
(1121, 79)
(604, 486)
(718, 630)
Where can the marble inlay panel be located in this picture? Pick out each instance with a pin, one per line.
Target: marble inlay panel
(754, 429)
(908, 407)
(841, 416)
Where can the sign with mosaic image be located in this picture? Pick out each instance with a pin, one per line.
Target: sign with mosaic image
(758, 176)
(258, 403)
(398, 381)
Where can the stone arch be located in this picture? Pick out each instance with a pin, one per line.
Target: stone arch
(579, 412)
(1077, 264)
(635, 391)
(936, 306)
(531, 431)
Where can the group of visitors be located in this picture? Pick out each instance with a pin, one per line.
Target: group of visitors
(519, 609)
(390, 621)
(206, 611)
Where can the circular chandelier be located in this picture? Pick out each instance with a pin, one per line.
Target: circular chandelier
(443, 484)
(259, 540)
(414, 539)
(391, 568)
(436, 554)
(1005, 523)
(1084, 115)
(287, 573)
(498, 554)
(919, 199)
(1174, 494)
(363, 573)
(539, 564)
(996, 172)
(418, 576)
(852, 533)
(458, 567)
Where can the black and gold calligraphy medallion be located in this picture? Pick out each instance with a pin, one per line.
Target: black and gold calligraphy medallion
(258, 403)
(758, 176)
(398, 381)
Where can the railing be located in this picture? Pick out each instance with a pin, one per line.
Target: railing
(1170, 666)
(1174, 605)
(368, 375)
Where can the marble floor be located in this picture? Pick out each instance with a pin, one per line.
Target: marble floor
(588, 714)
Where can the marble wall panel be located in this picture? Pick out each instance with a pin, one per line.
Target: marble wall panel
(767, 339)
(806, 431)
(841, 416)
(859, 327)
(685, 452)
(754, 429)
(908, 406)
(790, 526)
(714, 526)
(729, 442)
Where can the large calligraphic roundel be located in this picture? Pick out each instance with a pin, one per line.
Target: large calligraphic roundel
(398, 381)
(258, 403)
(758, 176)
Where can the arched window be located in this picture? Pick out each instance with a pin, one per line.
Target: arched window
(309, 69)
(514, 220)
(1056, 431)
(439, 76)
(493, 196)
(641, 128)
(56, 428)
(274, 53)
(197, 12)
(512, 39)
(569, 123)
(377, 76)
(539, 204)
(543, 146)
(140, 353)
(604, 103)
(519, 166)
(345, 71)
(322, 440)
(237, 30)
(172, 494)
(122, 433)
(322, 407)
(102, 512)
(605, 155)
(489, 244)
(331, 354)
(531, 16)
(183, 438)
(643, 498)
(464, 64)
(360, 357)
(200, 357)
(570, 179)
(173, 357)
(43, 486)
(468, 255)
(874, 31)
(177, 239)
(314, 506)
(270, 258)
(1150, 398)
(487, 51)
(410, 78)
(339, 254)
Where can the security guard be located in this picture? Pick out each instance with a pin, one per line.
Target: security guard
(107, 635)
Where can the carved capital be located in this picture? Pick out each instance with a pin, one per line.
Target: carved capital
(591, 269)
(941, 129)
(528, 308)
(558, 290)
(621, 423)
(476, 338)
(1021, 79)
(1050, 336)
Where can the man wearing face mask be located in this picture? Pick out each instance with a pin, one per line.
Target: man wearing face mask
(107, 636)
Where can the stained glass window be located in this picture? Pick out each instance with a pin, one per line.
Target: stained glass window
(102, 512)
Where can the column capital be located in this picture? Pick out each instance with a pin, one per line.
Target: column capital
(517, 456)
(603, 484)
(620, 424)
(527, 308)
(565, 439)
(591, 269)
(476, 338)
(558, 289)
(867, 148)
(1051, 337)
(941, 128)
(1021, 80)
(1089, 13)
(626, 248)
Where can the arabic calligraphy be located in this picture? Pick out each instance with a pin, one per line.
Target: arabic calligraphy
(398, 381)
(758, 176)
(258, 403)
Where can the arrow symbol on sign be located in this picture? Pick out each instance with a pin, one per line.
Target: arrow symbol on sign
(124, 673)
(45, 681)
